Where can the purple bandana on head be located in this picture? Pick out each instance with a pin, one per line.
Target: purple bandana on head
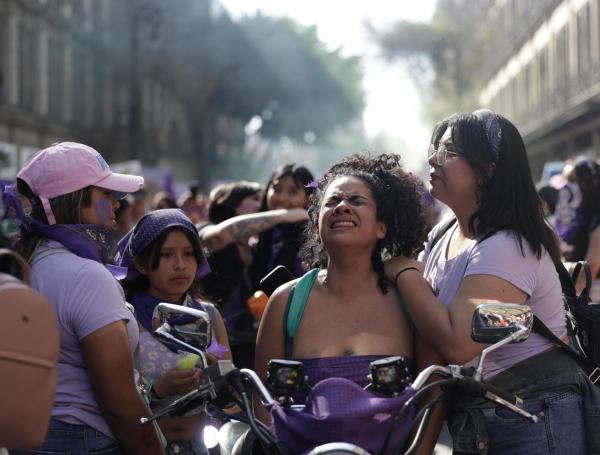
(492, 129)
(148, 228)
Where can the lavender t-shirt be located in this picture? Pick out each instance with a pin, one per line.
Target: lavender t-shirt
(86, 298)
(500, 255)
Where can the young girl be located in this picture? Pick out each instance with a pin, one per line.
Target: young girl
(281, 244)
(66, 236)
(163, 257)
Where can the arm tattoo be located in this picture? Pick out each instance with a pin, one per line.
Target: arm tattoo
(244, 229)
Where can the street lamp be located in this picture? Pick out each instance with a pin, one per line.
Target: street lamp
(141, 13)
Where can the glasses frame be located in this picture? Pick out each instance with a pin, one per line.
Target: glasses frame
(441, 154)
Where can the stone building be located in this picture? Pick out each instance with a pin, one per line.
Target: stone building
(66, 74)
(545, 74)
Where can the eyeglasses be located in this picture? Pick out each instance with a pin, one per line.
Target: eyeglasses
(441, 154)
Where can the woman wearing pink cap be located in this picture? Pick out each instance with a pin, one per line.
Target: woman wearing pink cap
(67, 236)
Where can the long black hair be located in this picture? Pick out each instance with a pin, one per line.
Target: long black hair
(291, 233)
(398, 196)
(224, 199)
(507, 197)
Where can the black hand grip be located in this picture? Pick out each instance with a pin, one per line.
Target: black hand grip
(470, 386)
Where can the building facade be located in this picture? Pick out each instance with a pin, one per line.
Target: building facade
(66, 74)
(545, 75)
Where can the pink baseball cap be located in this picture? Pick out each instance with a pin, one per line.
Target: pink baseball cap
(69, 166)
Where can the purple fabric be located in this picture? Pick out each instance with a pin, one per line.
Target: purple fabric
(147, 229)
(339, 410)
(355, 368)
(145, 309)
(88, 241)
(145, 304)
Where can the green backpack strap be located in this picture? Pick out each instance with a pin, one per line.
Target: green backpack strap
(295, 308)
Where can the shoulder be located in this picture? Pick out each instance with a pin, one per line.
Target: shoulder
(504, 246)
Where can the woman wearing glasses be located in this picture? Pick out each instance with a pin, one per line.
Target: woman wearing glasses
(497, 247)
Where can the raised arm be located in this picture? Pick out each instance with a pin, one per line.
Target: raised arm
(240, 228)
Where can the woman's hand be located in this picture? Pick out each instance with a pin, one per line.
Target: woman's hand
(177, 382)
(397, 264)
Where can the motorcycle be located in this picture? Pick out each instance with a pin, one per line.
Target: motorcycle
(226, 386)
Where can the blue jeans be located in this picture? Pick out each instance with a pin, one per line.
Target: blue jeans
(560, 430)
(554, 388)
(67, 438)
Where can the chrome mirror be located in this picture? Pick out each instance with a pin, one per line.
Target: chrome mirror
(492, 322)
(185, 329)
(499, 323)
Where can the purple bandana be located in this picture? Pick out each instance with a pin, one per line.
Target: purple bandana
(148, 228)
(492, 129)
(88, 241)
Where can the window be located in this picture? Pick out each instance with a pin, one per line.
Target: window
(583, 40)
(99, 93)
(56, 76)
(543, 72)
(562, 57)
(28, 67)
(79, 85)
(3, 57)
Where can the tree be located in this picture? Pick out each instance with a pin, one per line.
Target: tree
(230, 72)
(446, 56)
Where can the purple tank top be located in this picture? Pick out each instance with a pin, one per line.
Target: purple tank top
(354, 368)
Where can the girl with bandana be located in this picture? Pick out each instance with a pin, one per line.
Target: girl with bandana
(164, 260)
(67, 234)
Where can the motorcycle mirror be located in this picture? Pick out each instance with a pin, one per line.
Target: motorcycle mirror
(493, 322)
(186, 329)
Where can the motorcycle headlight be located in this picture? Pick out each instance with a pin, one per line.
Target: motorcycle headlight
(285, 376)
(389, 376)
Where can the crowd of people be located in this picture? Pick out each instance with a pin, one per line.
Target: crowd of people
(378, 280)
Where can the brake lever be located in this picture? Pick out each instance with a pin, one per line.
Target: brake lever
(203, 390)
(514, 408)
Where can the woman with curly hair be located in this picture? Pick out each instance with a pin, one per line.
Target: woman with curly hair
(362, 210)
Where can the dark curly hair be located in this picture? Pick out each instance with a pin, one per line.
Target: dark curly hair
(399, 198)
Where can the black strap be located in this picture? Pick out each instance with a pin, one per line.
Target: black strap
(440, 233)
(591, 370)
(289, 341)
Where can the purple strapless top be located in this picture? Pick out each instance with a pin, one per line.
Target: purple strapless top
(339, 410)
(355, 368)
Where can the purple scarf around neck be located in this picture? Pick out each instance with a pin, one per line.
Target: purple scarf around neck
(89, 241)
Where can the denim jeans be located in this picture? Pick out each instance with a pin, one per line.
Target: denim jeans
(554, 388)
(560, 429)
(66, 438)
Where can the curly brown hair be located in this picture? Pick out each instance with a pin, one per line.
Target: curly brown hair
(399, 198)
